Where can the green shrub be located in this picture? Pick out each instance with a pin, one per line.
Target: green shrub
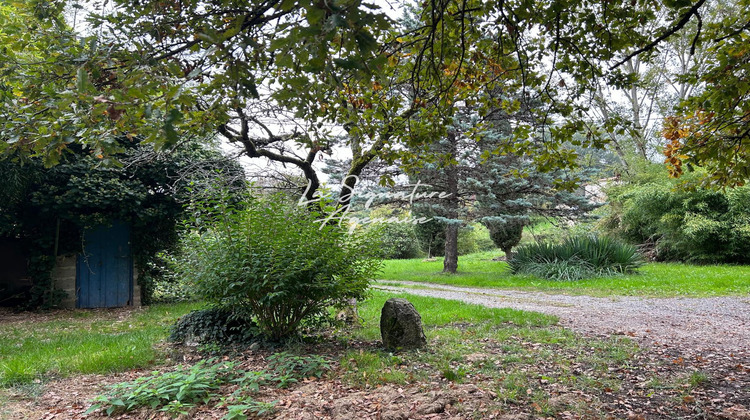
(430, 235)
(213, 325)
(278, 263)
(545, 229)
(474, 238)
(397, 241)
(700, 226)
(180, 390)
(576, 258)
(171, 289)
(506, 235)
(164, 285)
(174, 392)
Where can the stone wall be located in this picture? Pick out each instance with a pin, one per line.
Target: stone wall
(136, 289)
(64, 278)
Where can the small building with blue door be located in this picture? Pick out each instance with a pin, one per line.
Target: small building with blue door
(103, 274)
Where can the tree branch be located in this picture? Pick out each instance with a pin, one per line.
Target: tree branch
(680, 24)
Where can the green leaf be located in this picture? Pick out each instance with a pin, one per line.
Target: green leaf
(347, 63)
(287, 5)
(82, 81)
(93, 408)
(366, 42)
(174, 116)
(315, 15)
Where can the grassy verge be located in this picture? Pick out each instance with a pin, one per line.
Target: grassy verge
(518, 355)
(653, 280)
(83, 342)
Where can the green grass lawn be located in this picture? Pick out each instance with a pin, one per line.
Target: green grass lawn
(436, 312)
(653, 280)
(83, 342)
(514, 343)
(449, 326)
(524, 358)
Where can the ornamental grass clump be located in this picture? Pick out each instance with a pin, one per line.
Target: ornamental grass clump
(278, 263)
(576, 258)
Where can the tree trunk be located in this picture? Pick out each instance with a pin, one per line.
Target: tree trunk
(508, 253)
(450, 264)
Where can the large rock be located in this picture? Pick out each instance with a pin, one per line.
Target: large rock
(401, 325)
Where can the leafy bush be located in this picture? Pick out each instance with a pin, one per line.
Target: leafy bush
(178, 391)
(547, 229)
(171, 289)
(394, 240)
(277, 263)
(213, 325)
(474, 238)
(430, 235)
(174, 392)
(162, 283)
(701, 226)
(506, 235)
(576, 258)
(397, 241)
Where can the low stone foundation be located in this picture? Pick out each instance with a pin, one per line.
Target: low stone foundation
(64, 278)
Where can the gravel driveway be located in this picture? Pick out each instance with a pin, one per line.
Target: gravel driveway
(701, 324)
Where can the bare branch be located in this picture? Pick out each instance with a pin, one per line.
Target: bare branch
(674, 29)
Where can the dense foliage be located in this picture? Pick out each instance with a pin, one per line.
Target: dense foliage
(178, 391)
(167, 286)
(398, 241)
(49, 208)
(155, 71)
(213, 325)
(474, 237)
(277, 263)
(576, 258)
(709, 128)
(506, 235)
(395, 240)
(700, 226)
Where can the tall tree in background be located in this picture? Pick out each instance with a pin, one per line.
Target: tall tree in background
(632, 114)
(711, 129)
(500, 190)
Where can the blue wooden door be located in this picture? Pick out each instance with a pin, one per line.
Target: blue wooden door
(104, 276)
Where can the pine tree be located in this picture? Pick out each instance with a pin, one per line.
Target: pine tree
(488, 184)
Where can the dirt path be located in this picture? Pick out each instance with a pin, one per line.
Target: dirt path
(702, 324)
